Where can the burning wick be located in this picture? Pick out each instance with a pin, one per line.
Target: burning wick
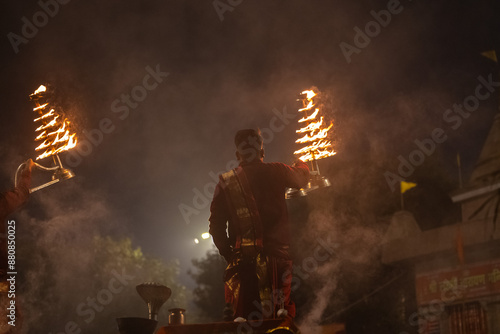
(314, 134)
(53, 131)
(318, 146)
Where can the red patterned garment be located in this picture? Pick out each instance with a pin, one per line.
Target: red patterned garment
(250, 227)
(10, 202)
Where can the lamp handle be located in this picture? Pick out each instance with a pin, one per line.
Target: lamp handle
(23, 165)
(32, 190)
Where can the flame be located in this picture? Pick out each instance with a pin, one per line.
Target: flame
(72, 141)
(313, 116)
(54, 130)
(61, 129)
(309, 157)
(41, 136)
(58, 141)
(40, 107)
(312, 126)
(45, 144)
(312, 136)
(48, 125)
(318, 155)
(50, 113)
(309, 94)
(40, 89)
(315, 146)
(315, 132)
(309, 106)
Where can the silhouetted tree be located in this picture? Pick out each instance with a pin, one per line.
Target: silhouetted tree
(209, 294)
(91, 286)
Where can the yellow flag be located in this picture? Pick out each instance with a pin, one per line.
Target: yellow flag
(490, 55)
(407, 186)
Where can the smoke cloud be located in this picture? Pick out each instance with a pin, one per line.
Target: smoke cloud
(224, 76)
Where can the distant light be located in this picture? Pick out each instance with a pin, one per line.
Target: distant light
(205, 235)
(196, 241)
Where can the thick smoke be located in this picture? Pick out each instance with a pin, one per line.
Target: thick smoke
(225, 75)
(352, 239)
(77, 267)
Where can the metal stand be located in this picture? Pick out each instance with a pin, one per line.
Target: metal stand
(60, 173)
(316, 181)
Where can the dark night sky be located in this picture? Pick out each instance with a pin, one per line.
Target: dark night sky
(231, 74)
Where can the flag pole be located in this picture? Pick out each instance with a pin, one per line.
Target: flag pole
(403, 187)
(402, 201)
(459, 164)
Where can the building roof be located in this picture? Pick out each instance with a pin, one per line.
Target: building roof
(487, 168)
(486, 175)
(479, 201)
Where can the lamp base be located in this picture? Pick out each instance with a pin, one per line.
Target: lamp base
(62, 174)
(134, 325)
(316, 181)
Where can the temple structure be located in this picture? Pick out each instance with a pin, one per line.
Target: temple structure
(457, 267)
